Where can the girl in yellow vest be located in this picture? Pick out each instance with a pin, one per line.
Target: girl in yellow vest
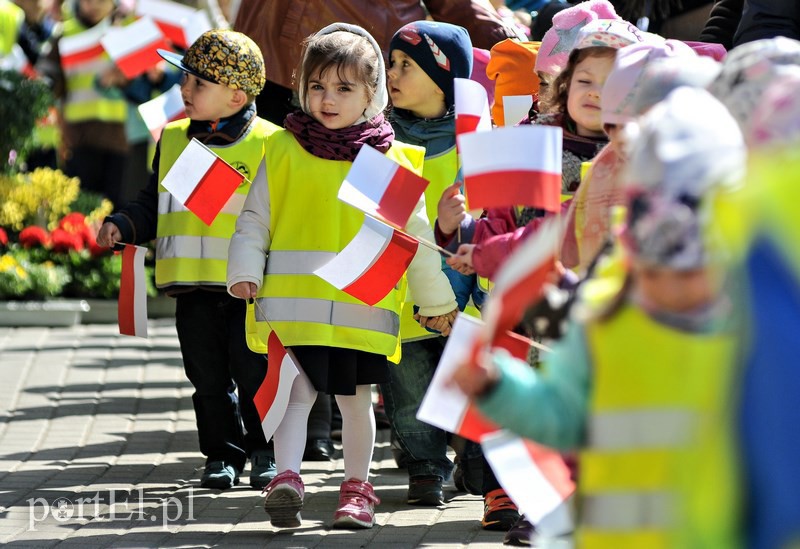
(643, 384)
(291, 224)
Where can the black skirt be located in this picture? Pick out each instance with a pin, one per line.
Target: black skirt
(337, 371)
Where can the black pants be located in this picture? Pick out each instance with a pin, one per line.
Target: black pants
(100, 171)
(211, 331)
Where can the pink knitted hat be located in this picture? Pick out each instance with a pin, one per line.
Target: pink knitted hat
(560, 39)
(625, 78)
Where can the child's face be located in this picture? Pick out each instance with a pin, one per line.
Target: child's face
(336, 99)
(412, 89)
(583, 100)
(204, 100)
(671, 291)
(94, 11)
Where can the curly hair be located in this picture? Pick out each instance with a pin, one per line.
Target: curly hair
(558, 90)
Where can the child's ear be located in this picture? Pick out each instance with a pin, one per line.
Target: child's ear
(239, 99)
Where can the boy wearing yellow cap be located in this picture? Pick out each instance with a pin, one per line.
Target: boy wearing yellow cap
(223, 72)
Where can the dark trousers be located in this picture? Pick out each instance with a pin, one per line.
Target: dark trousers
(100, 171)
(211, 331)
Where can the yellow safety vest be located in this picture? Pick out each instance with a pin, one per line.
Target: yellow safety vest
(11, 17)
(189, 252)
(658, 471)
(440, 171)
(84, 101)
(309, 225)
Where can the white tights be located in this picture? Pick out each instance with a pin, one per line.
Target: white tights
(358, 429)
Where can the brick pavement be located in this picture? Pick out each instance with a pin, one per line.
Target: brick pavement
(98, 449)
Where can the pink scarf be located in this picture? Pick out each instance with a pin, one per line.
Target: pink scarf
(341, 144)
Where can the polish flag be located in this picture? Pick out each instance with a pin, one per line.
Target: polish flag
(82, 48)
(535, 478)
(472, 107)
(516, 108)
(519, 282)
(372, 263)
(272, 397)
(511, 166)
(381, 187)
(444, 405)
(132, 304)
(202, 181)
(133, 47)
(162, 110)
(180, 24)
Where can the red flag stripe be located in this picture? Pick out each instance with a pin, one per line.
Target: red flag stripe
(139, 61)
(401, 196)
(174, 33)
(127, 320)
(536, 189)
(213, 191)
(82, 56)
(383, 274)
(265, 395)
(466, 123)
(474, 425)
(551, 464)
(524, 293)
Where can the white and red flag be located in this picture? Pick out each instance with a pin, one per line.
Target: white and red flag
(132, 304)
(181, 24)
(82, 48)
(161, 110)
(444, 404)
(372, 263)
(272, 397)
(535, 477)
(382, 188)
(202, 181)
(133, 47)
(513, 166)
(519, 282)
(471, 107)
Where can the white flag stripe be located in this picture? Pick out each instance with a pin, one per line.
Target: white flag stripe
(121, 41)
(160, 110)
(359, 255)
(516, 107)
(169, 12)
(188, 170)
(525, 483)
(197, 24)
(444, 403)
(369, 175)
(68, 45)
(470, 97)
(275, 414)
(528, 148)
(140, 292)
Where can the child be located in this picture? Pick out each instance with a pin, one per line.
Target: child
(575, 99)
(421, 88)
(218, 94)
(588, 227)
(95, 145)
(643, 384)
(293, 216)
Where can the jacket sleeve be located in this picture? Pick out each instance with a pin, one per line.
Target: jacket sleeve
(548, 405)
(722, 22)
(138, 220)
(428, 285)
(247, 252)
(768, 19)
(489, 256)
(485, 26)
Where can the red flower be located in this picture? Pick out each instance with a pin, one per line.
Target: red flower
(33, 236)
(75, 223)
(65, 242)
(3, 237)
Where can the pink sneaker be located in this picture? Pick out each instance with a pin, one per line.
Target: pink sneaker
(284, 499)
(357, 502)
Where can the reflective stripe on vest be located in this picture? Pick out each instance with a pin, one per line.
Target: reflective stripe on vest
(84, 101)
(657, 471)
(301, 307)
(188, 251)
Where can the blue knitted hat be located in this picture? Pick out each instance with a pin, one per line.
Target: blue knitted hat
(442, 50)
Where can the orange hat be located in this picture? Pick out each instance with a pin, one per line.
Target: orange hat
(511, 67)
